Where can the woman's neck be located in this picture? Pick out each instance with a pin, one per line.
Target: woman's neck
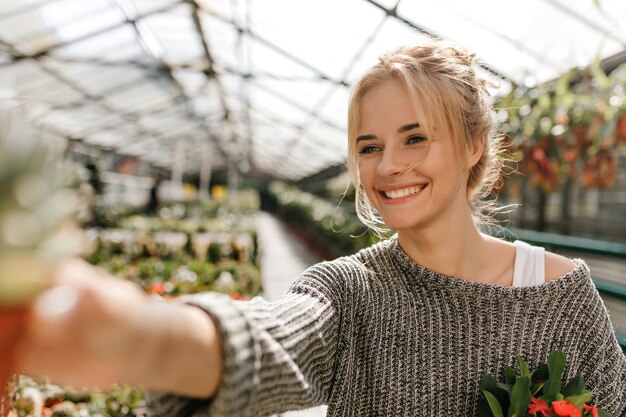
(453, 247)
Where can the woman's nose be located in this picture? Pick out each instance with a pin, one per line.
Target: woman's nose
(390, 163)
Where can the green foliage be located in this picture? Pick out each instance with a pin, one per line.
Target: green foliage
(331, 225)
(166, 264)
(520, 397)
(541, 386)
(556, 365)
(567, 129)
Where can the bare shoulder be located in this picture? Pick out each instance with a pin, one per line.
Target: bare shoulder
(557, 266)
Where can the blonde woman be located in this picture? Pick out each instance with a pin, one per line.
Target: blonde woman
(406, 327)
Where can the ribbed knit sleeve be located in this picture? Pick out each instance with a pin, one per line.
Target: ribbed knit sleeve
(278, 355)
(603, 364)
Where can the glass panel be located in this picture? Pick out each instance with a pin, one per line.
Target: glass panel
(176, 34)
(262, 99)
(86, 117)
(23, 76)
(55, 93)
(158, 121)
(222, 38)
(51, 25)
(330, 138)
(182, 130)
(99, 79)
(10, 7)
(305, 93)
(530, 44)
(392, 35)
(192, 81)
(141, 96)
(336, 108)
(114, 45)
(223, 8)
(270, 133)
(114, 137)
(324, 33)
(146, 6)
(263, 59)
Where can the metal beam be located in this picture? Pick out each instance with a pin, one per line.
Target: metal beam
(276, 48)
(324, 99)
(17, 56)
(394, 14)
(167, 71)
(582, 19)
(210, 72)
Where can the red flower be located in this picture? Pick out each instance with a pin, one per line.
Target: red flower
(539, 406)
(594, 410)
(156, 288)
(564, 408)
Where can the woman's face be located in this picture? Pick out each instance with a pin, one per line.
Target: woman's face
(390, 139)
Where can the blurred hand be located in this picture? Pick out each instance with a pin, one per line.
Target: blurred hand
(92, 330)
(85, 330)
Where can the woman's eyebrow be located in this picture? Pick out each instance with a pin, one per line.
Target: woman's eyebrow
(365, 137)
(408, 127)
(403, 129)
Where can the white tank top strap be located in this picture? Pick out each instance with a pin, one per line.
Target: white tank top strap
(529, 268)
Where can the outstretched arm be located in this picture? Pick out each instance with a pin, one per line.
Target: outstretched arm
(94, 330)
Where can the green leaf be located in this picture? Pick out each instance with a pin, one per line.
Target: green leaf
(536, 389)
(506, 387)
(603, 413)
(579, 399)
(556, 365)
(523, 367)
(574, 387)
(520, 397)
(540, 374)
(483, 408)
(599, 76)
(494, 405)
(509, 375)
(489, 384)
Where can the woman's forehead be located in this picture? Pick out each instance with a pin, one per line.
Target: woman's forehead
(389, 104)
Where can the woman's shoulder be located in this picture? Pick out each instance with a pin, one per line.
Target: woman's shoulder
(351, 268)
(363, 262)
(554, 265)
(557, 266)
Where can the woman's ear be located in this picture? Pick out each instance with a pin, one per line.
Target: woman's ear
(478, 145)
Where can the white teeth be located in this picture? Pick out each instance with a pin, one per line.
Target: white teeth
(403, 192)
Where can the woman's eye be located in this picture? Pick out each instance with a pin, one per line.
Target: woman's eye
(416, 139)
(368, 149)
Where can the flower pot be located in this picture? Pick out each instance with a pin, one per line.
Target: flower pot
(12, 320)
(621, 128)
(22, 277)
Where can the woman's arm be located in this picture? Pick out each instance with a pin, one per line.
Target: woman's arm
(210, 352)
(94, 330)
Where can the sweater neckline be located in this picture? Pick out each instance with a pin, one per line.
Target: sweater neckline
(429, 278)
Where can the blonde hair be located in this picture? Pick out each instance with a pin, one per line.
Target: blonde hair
(446, 94)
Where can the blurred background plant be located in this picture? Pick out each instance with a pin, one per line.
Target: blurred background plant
(564, 132)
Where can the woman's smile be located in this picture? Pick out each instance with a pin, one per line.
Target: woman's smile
(397, 195)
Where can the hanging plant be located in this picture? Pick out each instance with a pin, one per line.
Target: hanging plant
(568, 128)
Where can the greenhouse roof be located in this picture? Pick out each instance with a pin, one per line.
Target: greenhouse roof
(262, 84)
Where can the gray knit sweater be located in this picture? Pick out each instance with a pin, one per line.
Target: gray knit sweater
(375, 334)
